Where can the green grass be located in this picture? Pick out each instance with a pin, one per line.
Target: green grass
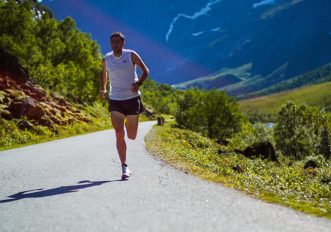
(316, 95)
(289, 185)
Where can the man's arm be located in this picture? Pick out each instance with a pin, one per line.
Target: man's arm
(103, 90)
(139, 62)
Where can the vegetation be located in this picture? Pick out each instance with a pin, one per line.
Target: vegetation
(316, 76)
(62, 59)
(12, 136)
(219, 79)
(266, 106)
(303, 131)
(56, 54)
(285, 182)
(239, 82)
(211, 113)
(301, 136)
(160, 97)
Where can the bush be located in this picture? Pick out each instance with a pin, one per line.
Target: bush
(161, 97)
(250, 134)
(302, 131)
(211, 113)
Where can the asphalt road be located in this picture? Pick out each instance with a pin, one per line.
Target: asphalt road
(74, 184)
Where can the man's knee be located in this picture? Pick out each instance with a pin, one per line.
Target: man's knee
(132, 136)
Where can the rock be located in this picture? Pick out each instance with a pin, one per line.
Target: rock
(60, 100)
(326, 180)
(160, 121)
(38, 94)
(4, 113)
(45, 121)
(222, 142)
(25, 125)
(264, 150)
(17, 108)
(27, 107)
(57, 120)
(310, 164)
(237, 168)
(20, 98)
(35, 113)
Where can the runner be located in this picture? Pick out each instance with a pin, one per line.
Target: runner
(125, 104)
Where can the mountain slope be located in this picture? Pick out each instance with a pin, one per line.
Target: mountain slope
(319, 75)
(187, 43)
(316, 95)
(181, 41)
(289, 35)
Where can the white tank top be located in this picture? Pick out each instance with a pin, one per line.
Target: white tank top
(122, 73)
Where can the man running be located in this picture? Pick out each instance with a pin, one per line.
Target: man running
(124, 98)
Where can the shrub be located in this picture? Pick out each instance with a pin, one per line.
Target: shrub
(302, 131)
(190, 113)
(211, 113)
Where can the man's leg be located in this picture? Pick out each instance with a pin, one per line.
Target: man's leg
(131, 125)
(118, 123)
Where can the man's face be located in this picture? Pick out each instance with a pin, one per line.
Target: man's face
(117, 43)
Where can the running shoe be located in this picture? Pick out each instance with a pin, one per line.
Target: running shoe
(126, 173)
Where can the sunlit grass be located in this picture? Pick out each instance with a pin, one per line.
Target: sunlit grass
(315, 95)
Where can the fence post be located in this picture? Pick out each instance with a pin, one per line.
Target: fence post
(160, 121)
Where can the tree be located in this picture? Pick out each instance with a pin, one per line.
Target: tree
(211, 113)
(223, 115)
(302, 131)
(56, 54)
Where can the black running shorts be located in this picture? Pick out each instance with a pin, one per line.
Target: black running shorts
(131, 106)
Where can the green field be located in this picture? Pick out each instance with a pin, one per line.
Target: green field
(316, 95)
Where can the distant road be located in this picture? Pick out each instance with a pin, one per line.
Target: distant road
(74, 184)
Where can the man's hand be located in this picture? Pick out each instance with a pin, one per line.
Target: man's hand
(103, 94)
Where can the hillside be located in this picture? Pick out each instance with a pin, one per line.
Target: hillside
(316, 95)
(48, 77)
(57, 55)
(221, 78)
(20, 99)
(184, 40)
(270, 37)
(319, 75)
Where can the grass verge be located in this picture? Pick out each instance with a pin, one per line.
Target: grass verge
(287, 184)
(13, 137)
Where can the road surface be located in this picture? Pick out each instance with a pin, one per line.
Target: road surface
(73, 184)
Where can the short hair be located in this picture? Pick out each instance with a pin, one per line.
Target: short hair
(117, 34)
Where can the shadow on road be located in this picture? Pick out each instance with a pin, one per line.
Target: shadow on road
(36, 193)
